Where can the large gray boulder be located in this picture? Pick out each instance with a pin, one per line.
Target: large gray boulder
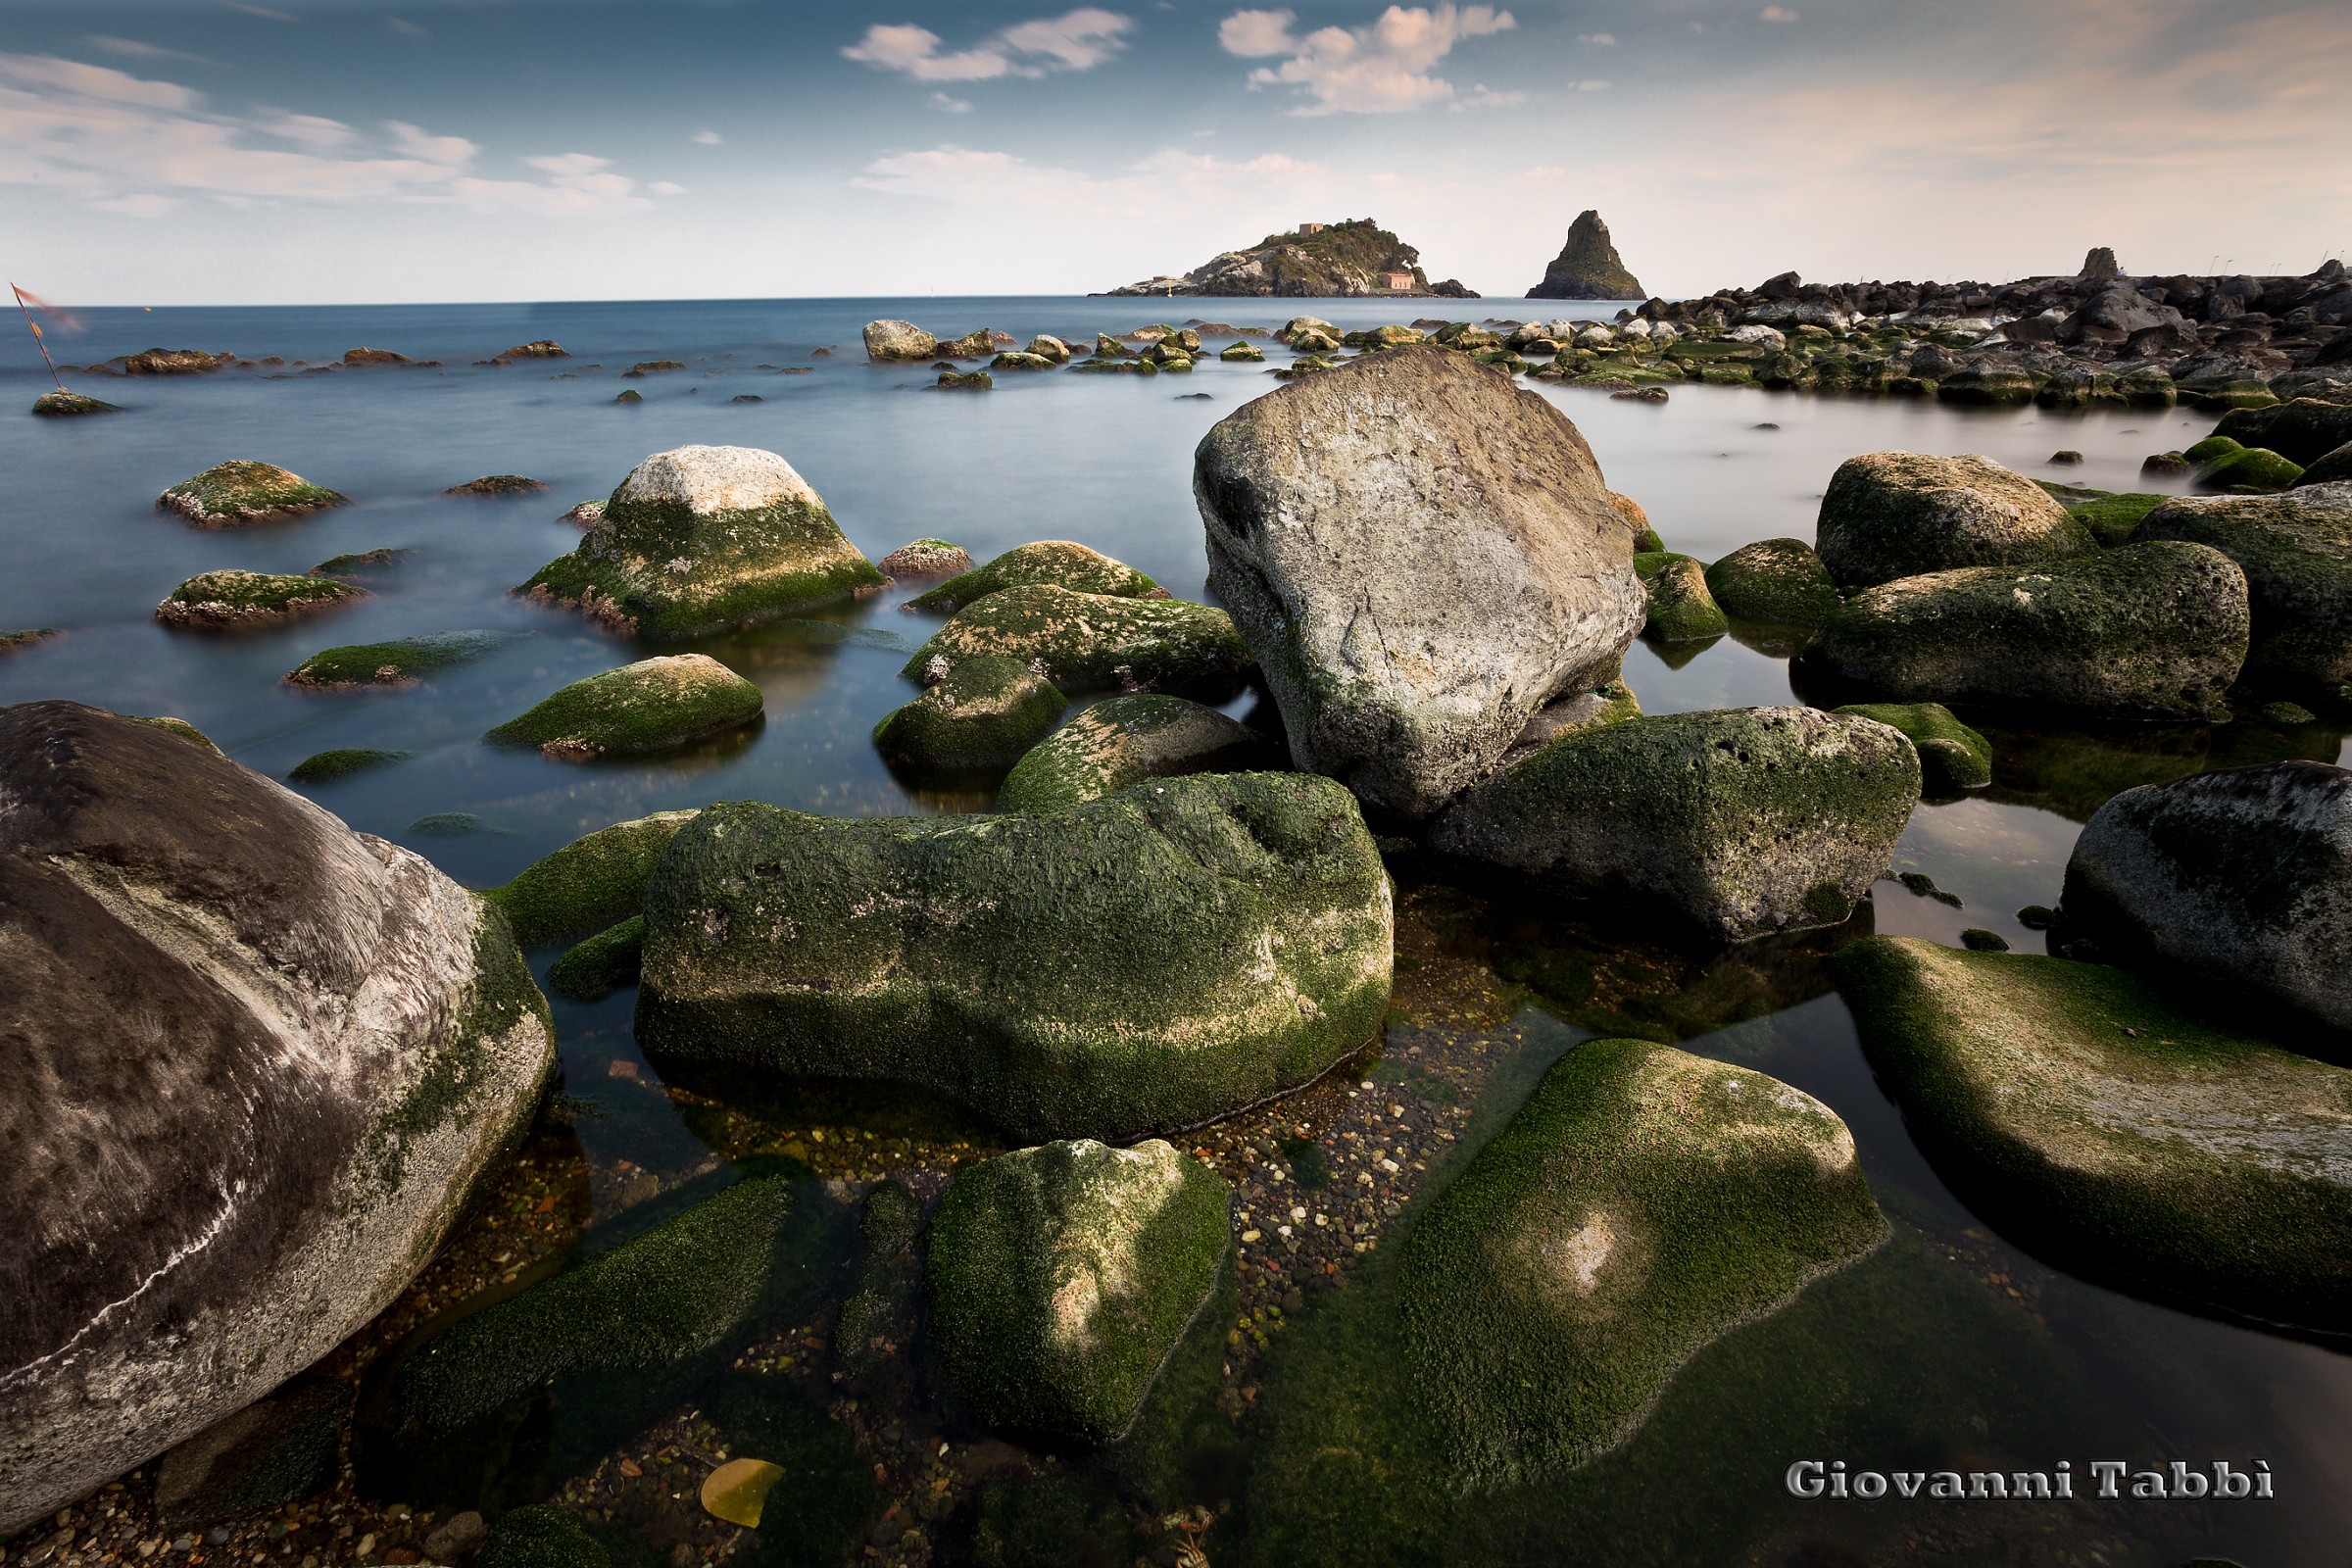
(2113, 315)
(899, 340)
(1732, 824)
(2296, 552)
(1420, 555)
(2243, 876)
(257, 1063)
(1889, 515)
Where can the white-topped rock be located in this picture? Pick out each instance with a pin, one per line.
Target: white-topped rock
(707, 479)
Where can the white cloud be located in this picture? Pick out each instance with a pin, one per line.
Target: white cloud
(1547, 172)
(46, 74)
(1380, 69)
(314, 131)
(453, 151)
(666, 187)
(707, 138)
(141, 204)
(949, 106)
(1482, 96)
(262, 12)
(1081, 39)
(1598, 40)
(1591, 84)
(1775, 14)
(980, 178)
(405, 27)
(136, 49)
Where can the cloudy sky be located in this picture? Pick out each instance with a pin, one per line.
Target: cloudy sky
(204, 150)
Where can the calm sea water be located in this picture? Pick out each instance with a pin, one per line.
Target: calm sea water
(2090, 1373)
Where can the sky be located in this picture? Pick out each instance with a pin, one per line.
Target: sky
(345, 151)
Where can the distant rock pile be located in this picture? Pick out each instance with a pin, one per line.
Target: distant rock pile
(1356, 258)
(1588, 267)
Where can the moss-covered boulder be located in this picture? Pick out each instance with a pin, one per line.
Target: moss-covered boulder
(1781, 581)
(402, 662)
(541, 1534)
(65, 405)
(1730, 823)
(1952, 758)
(964, 382)
(2248, 470)
(1060, 1279)
(1057, 562)
(926, 557)
(2152, 631)
(1094, 642)
(978, 718)
(229, 495)
(1889, 515)
(700, 539)
(601, 964)
(2301, 430)
(1125, 740)
(1002, 960)
(2296, 552)
(1644, 1202)
(2242, 878)
(251, 601)
(325, 768)
(1240, 354)
(1680, 609)
(597, 880)
(2069, 1096)
(2111, 517)
(655, 705)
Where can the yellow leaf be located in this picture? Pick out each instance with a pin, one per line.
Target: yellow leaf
(737, 1490)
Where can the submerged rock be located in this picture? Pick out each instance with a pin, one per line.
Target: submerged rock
(702, 538)
(354, 1041)
(274, 1451)
(655, 705)
(595, 881)
(1952, 758)
(229, 495)
(2296, 552)
(1420, 556)
(1777, 580)
(325, 768)
(996, 959)
(1892, 514)
(2201, 1164)
(2154, 631)
(402, 662)
(1731, 823)
(1680, 609)
(1093, 641)
(1060, 1279)
(1644, 1202)
(251, 601)
(1125, 740)
(64, 404)
(980, 717)
(926, 557)
(601, 964)
(1056, 561)
(2242, 876)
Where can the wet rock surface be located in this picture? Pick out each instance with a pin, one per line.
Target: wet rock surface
(2296, 552)
(655, 705)
(1093, 642)
(1892, 514)
(1124, 740)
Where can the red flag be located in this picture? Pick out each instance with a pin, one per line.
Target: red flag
(67, 321)
(25, 304)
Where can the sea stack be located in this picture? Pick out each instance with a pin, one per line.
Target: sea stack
(2100, 263)
(1588, 267)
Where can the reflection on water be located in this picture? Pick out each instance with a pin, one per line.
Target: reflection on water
(1948, 1347)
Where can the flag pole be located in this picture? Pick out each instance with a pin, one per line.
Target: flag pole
(36, 336)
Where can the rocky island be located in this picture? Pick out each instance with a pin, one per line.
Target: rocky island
(1353, 260)
(1588, 267)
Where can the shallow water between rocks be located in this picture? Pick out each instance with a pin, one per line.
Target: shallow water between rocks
(1956, 1345)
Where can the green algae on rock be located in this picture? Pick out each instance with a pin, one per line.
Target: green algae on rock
(2201, 1164)
(1889, 515)
(325, 768)
(250, 600)
(655, 705)
(2296, 552)
(1680, 609)
(978, 718)
(1057, 562)
(1730, 823)
(2149, 631)
(2111, 517)
(594, 882)
(2301, 430)
(65, 405)
(1644, 1202)
(1060, 1279)
(601, 964)
(1124, 740)
(996, 959)
(179, 728)
(1952, 758)
(497, 484)
(1094, 641)
(1781, 581)
(2248, 470)
(541, 1534)
(700, 539)
(402, 662)
(229, 495)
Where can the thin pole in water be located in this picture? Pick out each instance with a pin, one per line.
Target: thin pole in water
(36, 334)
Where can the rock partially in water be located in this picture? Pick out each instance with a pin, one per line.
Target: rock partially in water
(1730, 824)
(230, 495)
(354, 1041)
(2301, 431)
(656, 705)
(1420, 556)
(402, 662)
(360, 563)
(2242, 876)
(1057, 562)
(1891, 514)
(601, 964)
(979, 719)
(274, 1451)
(498, 484)
(65, 405)
(325, 768)
(700, 539)
(537, 349)
(1125, 740)
(2296, 552)
(1680, 609)
(1644, 1202)
(1060, 1279)
(175, 362)
(926, 557)
(899, 340)
(595, 881)
(1953, 759)
(2199, 1164)
(251, 601)
(2148, 631)
(1094, 642)
(996, 959)
(1781, 581)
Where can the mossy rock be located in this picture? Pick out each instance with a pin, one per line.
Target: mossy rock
(541, 1534)
(2213, 449)
(965, 381)
(325, 768)
(2110, 517)
(1047, 347)
(996, 959)
(1242, 353)
(1643, 1203)
(402, 662)
(1094, 641)
(359, 563)
(926, 557)
(980, 717)
(65, 405)
(655, 705)
(1123, 741)
(1953, 759)
(497, 484)
(2250, 469)
(2197, 1162)
(1062, 1278)
(2330, 468)
(1781, 581)
(701, 539)
(2301, 430)
(601, 964)
(1889, 515)
(1730, 824)
(594, 882)
(251, 601)
(2149, 631)
(1057, 562)
(1988, 384)
(178, 727)
(2296, 552)
(229, 495)
(629, 396)
(1680, 609)
(1017, 360)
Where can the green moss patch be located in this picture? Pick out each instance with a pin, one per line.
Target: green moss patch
(594, 882)
(1057, 562)
(2296, 552)
(601, 964)
(980, 717)
(2249, 469)
(655, 705)
(65, 405)
(1952, 758)
(1680, 609)
(1125, 740)
(400, 663)
(1780, 581)
(249, 601)
(1094, 641)
(541, 1534)
(325, 768)
(231, 494)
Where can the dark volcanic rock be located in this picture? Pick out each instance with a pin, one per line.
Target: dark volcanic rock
(1588, 267)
